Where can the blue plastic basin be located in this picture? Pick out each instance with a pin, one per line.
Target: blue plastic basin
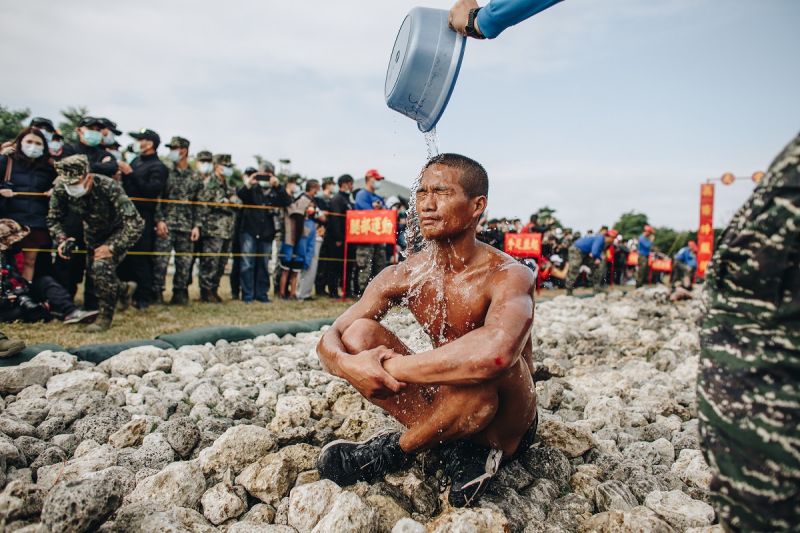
(424, 66)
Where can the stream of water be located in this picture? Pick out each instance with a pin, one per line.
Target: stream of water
(413, 235)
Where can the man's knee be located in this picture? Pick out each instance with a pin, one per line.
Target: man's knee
(477, 406)
(363, 334)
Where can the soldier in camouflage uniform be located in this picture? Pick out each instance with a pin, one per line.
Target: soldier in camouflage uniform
(111, 225)
(590, 251)
(217, 223)
(748, 393)
(177, 225)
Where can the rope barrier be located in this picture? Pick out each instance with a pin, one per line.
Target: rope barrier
(185, 254)
(192, 202)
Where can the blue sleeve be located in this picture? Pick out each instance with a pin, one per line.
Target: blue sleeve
(363, 201)
(498, 15)
(597, 247)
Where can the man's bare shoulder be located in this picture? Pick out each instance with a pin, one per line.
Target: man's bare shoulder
(507, 272)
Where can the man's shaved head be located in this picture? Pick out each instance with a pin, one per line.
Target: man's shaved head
(473, 177)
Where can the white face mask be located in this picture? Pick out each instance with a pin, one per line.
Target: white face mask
(174, 155)
(137, 148)
(227, 171)
(377, 185)
(55, 147)
(47, 135)
(204, 167)
(109, 139)
(34, 151)
(76, 191)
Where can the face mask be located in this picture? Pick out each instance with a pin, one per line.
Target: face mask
(205, 167)
(137, 148)
(109, 139)
(129, 157)
(47, 135)
(174, 156)
(55, 147)
(263, 184)
(227, 171)
(377, 185)
(116, 153)
(76, 191)
(92, 137)
(33, 151)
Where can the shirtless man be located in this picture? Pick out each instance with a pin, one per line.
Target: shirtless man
(472, 395)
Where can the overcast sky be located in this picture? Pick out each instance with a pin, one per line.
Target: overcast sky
(592, 107)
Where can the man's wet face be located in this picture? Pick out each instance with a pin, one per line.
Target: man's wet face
(442, 205)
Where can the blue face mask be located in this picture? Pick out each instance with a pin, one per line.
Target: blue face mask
(92, 137)
(129, 157)
(109, 139)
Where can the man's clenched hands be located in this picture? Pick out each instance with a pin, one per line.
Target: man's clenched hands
(366, 373)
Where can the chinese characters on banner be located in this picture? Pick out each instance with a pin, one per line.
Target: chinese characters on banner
(661, 265)
(371, 227)
(705, 234)
(522, 245)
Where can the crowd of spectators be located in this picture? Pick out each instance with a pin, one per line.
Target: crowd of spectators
(285, 235)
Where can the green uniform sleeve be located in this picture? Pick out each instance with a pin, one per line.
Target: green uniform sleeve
(56, 214)
(132, 224)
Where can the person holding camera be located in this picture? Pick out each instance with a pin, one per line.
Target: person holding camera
(111, 226)
(28, 301)
(258, 230)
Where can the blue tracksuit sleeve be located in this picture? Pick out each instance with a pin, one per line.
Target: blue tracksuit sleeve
(363, 200)
(597, 246)
(498, 15)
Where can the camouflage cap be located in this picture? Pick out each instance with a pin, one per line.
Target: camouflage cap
(71, 169)
(222, 159)
(204, 155)
(10, 232)
(178, 142)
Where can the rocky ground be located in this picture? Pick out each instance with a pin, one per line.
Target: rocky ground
(224, 438)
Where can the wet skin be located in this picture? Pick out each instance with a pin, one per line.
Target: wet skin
(476, 305)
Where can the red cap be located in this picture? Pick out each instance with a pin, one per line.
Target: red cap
(692, 246)
(649, 229)
(612, 233)
(373, 173)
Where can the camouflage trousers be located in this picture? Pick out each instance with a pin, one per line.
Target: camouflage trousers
(181, 242)
(682, 275)
(642, 270)
(576, 260)
(107, 285)
(749, 421)
(370, 260)
(212, 267)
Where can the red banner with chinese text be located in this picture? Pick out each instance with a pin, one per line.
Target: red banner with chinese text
(705, 234)
(521, 245)
(661, 265)
(371, 227)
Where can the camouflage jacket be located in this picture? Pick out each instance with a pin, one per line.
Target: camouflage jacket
(181, 185)
(108, 215)
(217, 221)
(752, 289)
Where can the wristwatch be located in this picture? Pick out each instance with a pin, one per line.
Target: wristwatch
(470, 28)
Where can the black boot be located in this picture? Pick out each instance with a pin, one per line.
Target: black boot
(158, 297)
(204, 295)
(180, 297)
(345, 462)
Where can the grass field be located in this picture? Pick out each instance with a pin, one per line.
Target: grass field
(160, 319)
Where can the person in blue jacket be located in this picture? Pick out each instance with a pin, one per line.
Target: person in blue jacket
(589, 251)
(684, 265)
(487, 22)
(644, 248)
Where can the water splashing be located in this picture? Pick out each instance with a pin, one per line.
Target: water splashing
(432, 140)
